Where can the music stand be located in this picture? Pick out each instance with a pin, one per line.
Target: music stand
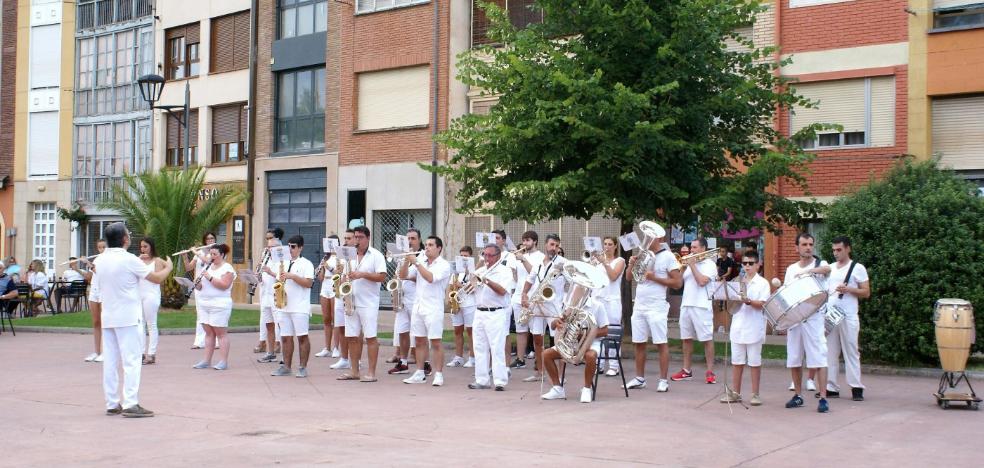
(248, 276)
(730, 293)
(186, 283)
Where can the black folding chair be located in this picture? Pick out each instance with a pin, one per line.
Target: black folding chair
(6, 314)
(23, 300)
(75, 292)
(610, 342)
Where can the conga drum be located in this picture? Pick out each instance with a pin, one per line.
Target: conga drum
(954, 319)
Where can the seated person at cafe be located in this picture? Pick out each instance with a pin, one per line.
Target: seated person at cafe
(8, 289)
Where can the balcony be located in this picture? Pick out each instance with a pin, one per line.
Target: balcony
(521, 14)
(91, 14)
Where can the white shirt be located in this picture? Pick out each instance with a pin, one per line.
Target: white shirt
(539, 273)
(649, 291)
(816, 320)
(848, 303)
(486, 297)
(119, 275)
(366, 293)
(266, 283)
(430, 294)
(535, 259)
(748, 324)
(298, 297)
(695, 295)
(72, 275)
(212, 296)
(38, 282)
(613, 291)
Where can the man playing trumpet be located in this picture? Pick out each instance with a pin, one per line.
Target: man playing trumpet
(427, 314)
(696, 316)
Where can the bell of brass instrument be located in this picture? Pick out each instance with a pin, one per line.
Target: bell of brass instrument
(280, 290)
(574, 338)
(454, 295)
(650, 232)
(395, 288)
(697, 257)
(543, 293)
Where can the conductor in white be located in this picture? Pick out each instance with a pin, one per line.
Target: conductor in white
(119, 277)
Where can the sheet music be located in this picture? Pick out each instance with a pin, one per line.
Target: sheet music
(328, 244)
(629, 241)
(280, 254)
(510, 245)
(592, 244)
(347, 253)
(464, 264)
(402, 244)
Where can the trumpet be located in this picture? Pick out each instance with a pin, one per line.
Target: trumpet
(521, 250)
(193, 249)
(593, 258)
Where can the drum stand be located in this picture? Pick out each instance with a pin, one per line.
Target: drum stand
(947, 381)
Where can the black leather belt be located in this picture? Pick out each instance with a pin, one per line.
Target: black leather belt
(490, 309)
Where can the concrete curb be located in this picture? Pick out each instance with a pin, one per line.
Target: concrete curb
(164, 331)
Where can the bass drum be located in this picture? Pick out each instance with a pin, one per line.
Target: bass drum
(795, 302)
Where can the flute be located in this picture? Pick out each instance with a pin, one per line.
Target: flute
(193, 249)
(82, 259)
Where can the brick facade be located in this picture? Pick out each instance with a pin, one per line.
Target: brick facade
(840, 25)
(8, 85)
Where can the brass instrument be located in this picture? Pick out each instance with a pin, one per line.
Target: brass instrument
(259, 271)
(521, 250)
(594, 258)
(336, 279)
(650, 232)
(543, 293)
(454, 295)
(198, 280)
(697, 257)
(579, 328)
(476, 279)
(343, 287)
(280, 290)
(395, 285)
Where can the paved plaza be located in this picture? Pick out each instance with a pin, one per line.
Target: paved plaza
(51, 413)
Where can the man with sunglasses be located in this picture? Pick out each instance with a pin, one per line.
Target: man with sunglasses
(294, 319)
(368, 272)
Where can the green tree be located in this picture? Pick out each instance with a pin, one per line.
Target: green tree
(628, 108)
(166, 206)
(918, 232)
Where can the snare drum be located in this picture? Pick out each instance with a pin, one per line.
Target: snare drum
(832, 317)
(795, 302)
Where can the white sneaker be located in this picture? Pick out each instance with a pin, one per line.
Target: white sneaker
(556, 393)
(636, 383)
(458, 361)
(663, 386)
(611, 372)
(341, 364)
(98, 358)
(418, 377)
(792, 387)
(336, 353)
(91, 357)
(470, 362)
(531, 355)
(585, 395)
(438, 379)
(533, 378)
(323, 353)
(811, 386)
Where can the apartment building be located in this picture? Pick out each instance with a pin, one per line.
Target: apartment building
(8, 93)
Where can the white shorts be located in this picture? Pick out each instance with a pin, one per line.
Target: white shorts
(517, 310)
(808, 338)
(266, 315)
(465, 316)
(293, 323)
(94, 295)
(339, 313)
(214, 316)
(696, 322)
(401, 321)
(327, 289)
(429, 324)
(750, 354)
(649, 321)
(362, 322)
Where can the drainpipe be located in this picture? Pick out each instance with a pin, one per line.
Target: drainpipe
(436, 98)
(251, 124)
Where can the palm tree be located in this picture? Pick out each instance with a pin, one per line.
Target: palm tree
(166, 206)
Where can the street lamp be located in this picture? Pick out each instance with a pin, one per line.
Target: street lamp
(151, 87)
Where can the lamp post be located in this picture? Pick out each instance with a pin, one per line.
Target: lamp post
(151, 87)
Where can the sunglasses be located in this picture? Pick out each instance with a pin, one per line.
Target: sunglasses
(749, 263)
(293, 246)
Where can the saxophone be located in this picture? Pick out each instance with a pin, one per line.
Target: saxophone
(543, 293)
(259, 271)
(280, 291)
(343, 287)
(454, 299)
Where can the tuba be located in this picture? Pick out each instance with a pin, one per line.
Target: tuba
(543, 293)
(574, 338)
(280, 290)
(650, 232)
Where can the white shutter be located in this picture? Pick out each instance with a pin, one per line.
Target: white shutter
(732, 45)
(42, 150)
(958, 132)
(45, 48)
(938, 4)
(840, 102)
(882, 111)
(394, 98)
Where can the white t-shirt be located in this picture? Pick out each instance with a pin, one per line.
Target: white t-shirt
(613, 291)
(212, 296)
(430, 294)
(649, 291)
(748, 324)
(535, 259)
(849, 303)
(535, 277)
(794, 270)
(298, 297)
(119, 275)
(38, 282)
(486, 297)
(367, 292)
(72, 275)
(695, 295)
(266, 283)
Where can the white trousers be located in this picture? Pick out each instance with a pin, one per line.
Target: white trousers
(844, 339)
(199, 331)
(121, 345)
(151, 305)
(490, 338)
(266, 316)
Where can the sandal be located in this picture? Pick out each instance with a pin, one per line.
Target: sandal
(367, 379)
(346, 377)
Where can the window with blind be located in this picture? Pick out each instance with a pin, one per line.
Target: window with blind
(958, 132)
(228, 133)
(301, 110)
(175, 154)
(230, 43)
(521, 14)
(394, 98)
(302, 17)
(864, 107)
(181, 46)
(369, 6)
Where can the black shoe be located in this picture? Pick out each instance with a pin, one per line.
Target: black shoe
(114, 411)
(518, 363)
(399, 368)
(830, 394)
(795, 402)
(427, 368)
(500, 388)
(822, 407)
(137, 412)
(857, 394)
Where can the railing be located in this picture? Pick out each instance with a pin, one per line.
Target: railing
(97, 13)
(521, 14)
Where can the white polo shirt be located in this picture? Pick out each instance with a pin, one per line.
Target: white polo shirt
(119, 278)
(486, 297)
(366, 292)
(648, 291)
(430, 294)
(298, 297)
(695, 295)
(748, 324)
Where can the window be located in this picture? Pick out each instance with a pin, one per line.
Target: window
(104, 152)
(42, 150)
(958, 131)
(228, 133)
(301, 110)
(104, 60)
(175, 133)
(520, 12)
(864, 107)
(45, 48)
(302, 17)
(182, 51)
(950, 14)
(394, 98)
(369, 6)
(107, 70)
(230, 43)
(44, 236)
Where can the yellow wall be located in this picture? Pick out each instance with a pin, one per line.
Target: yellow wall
(919, 131)
(955, 62)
